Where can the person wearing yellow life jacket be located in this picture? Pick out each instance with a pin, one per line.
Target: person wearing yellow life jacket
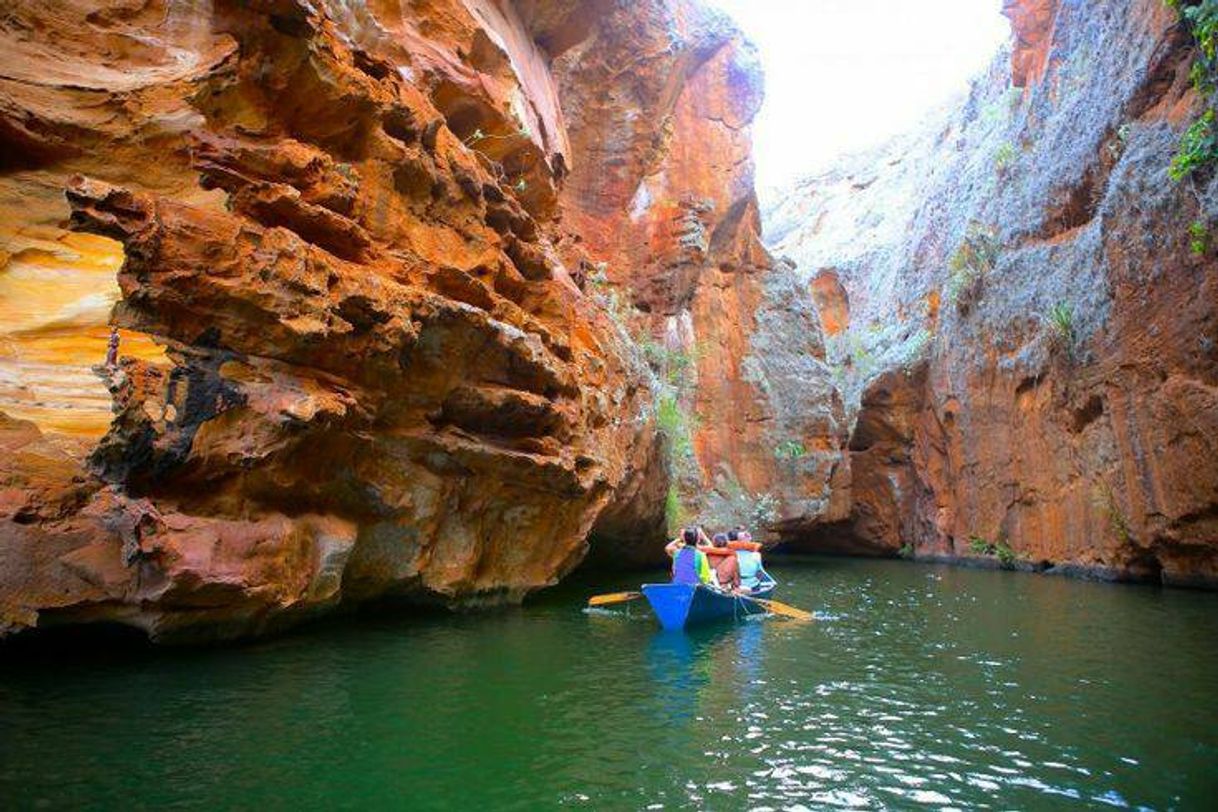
(689, 564)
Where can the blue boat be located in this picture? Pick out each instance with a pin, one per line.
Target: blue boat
(680, 605)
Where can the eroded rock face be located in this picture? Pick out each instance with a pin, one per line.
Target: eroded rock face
(1030, 354)
(663, 199)
(374, 374)
(1032, 24)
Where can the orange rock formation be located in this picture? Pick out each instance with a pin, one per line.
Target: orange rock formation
(663, 196)
(374, 375)
(426, 300)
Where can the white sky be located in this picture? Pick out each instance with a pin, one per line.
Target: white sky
(843, 75)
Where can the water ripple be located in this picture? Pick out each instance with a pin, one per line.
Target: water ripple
(915, 687)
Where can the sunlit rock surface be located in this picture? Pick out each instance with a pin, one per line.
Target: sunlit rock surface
(353, 362)
(55, 303)
(1064, 399)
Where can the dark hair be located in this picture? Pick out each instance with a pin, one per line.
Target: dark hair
(689, 535)
(732, 535)
(720, 540)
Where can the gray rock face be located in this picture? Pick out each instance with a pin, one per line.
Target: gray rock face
(807, 427)
(1023, 262)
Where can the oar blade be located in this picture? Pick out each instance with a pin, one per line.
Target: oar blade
(785, 610)
(613, 597)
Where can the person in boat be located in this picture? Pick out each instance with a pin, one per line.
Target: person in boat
(723, 559)
(689, 564)
(748, 560)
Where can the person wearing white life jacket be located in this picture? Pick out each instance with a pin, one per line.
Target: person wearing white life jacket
(752, 572)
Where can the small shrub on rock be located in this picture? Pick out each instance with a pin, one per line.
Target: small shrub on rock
(999, 549)
(1061, 321)
(1199, 147)
(1006, 556)
(789, 450)
(1199, 238)
(968, 267)
(1106, 498)
(978, 546)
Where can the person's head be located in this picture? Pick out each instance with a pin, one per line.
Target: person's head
(744, 535)
(732, 536)
(690, 536)
(719, 540)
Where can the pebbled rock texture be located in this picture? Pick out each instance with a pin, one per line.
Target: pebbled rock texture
(1053, 386)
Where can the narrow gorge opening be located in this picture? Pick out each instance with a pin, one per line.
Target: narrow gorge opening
(833, 182)
(975, 245)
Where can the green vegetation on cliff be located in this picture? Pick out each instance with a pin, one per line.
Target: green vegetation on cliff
(998, 549)
(968, 267)
(1199, 146)
(1061, 321)
(676, 372)
(1198, 237)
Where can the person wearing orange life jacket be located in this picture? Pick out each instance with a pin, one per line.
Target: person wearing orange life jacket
(689, 564)
(723, 561)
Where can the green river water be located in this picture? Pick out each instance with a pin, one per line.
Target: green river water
(918, 687)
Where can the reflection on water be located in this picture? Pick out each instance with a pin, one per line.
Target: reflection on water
(925, 687)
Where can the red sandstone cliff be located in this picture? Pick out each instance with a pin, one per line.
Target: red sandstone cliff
(375, 375)
(1028, 339)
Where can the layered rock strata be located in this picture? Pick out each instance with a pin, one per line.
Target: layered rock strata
(1029, 352)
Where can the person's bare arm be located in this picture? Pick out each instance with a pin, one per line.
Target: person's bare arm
(672, 547)
(703, 539)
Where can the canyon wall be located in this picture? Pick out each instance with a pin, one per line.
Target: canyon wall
(310, 304)
(1024, 336)
(660, 101)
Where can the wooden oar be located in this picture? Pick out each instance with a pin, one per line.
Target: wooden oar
(778, 608)
(613, 597)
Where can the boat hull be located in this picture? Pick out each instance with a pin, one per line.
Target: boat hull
(677, 606)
